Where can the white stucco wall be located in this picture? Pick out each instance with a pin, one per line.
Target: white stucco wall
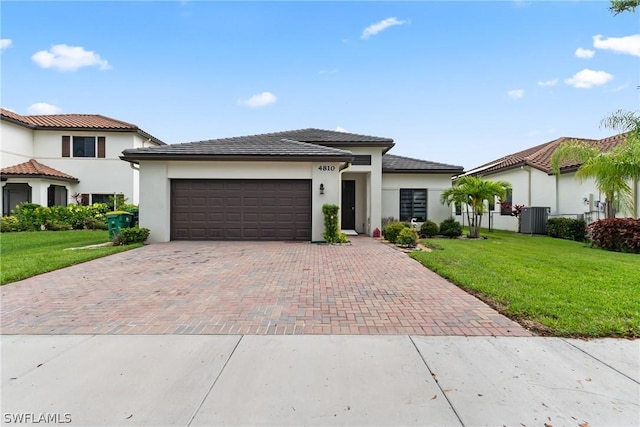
(434, 183)
(371, 217)
(16, 144)
(97, 175)
(155, 187)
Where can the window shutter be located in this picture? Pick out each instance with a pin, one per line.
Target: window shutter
(102, 145)
(66, 146)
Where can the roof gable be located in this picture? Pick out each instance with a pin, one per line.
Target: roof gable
(34, 169)
(392, 163)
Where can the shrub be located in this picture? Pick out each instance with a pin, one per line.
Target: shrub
(392, 230)
(331, 232)
(616, 234)
(567, 228)
(451, 228)
(408, 237)
(29, 216)
(57, 226)
(95, 224)
(428, 228)
(387, 220)
(129, 236)
(10, 223)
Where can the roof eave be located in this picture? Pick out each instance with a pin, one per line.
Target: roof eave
(425, 171)
(6, 176)
(235, 158)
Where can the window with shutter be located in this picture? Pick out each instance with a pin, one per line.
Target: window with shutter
(66, 146)
(102, 143)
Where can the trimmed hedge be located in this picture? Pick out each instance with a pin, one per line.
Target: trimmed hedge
(408, 237)
(429, 228)
(392, 230)
(129, 236)
(567, 228)
(616, 234)
(451, 228)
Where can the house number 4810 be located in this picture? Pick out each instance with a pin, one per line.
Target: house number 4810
(326, 168)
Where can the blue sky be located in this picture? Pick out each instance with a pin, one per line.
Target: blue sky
(454, 82)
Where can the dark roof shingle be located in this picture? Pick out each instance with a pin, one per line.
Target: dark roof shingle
(35, 169)
(263, 147)
(393, 163)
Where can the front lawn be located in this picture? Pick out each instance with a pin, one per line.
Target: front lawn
(555, 287)
(27, 254)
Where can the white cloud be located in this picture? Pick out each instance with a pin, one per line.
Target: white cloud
(629, 45)
(259, 100)
(547, 83)
(43, 108)
(341, 129)
(5, 43)
(374, 29)
(516, 93)
(331, 71)
(584, 53)
(586, 79)
(69, 58)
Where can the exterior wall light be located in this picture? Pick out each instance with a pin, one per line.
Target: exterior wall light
(321, 188)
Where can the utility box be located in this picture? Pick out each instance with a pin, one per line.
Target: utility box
(118, 220)
(533, 220)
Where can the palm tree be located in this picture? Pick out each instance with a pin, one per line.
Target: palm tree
(614, 170)
(473, 191)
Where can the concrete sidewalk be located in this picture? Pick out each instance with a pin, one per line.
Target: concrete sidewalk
(202, 380)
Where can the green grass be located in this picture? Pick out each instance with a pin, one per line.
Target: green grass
(27, 254)
(555, 287)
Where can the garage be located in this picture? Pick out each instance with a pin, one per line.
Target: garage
(240, 209)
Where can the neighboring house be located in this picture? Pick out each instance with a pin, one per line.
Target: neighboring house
(272, 186)
(534, 184)
(47, 159)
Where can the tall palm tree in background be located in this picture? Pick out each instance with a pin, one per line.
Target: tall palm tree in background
(615, 172)
(473, 191)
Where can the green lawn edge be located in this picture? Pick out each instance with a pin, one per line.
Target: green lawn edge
(551, 286)
(28, 254)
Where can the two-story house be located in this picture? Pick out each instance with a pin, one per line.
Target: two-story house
(58, 159)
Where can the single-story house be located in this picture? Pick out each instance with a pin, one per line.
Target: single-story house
(273, 186)
(47, 159)
(535, 185)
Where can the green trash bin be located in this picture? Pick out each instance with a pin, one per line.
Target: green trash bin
(136, 215)
(117, 220)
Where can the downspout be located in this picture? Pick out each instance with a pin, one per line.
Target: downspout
(528, 170)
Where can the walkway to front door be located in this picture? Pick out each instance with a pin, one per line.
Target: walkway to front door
(248, 288)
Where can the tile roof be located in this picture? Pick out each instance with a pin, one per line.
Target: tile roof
(34, 169)
(255, 147)
(74, 121)
(539, 157)
(331, 137)
(393, 163)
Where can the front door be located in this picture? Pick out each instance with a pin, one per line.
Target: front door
(348, 217)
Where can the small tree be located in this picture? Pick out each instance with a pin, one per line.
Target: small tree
(473, 191)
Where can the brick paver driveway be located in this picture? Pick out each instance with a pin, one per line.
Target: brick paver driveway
(248, 288)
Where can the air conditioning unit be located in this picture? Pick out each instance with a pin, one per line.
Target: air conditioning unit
(533, 220)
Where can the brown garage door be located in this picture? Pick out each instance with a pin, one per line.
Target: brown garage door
(240, 209)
